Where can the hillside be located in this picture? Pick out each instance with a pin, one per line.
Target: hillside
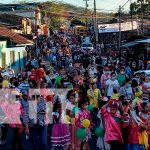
(58, 12)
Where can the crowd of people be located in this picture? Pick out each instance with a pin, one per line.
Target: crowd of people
(81, 101)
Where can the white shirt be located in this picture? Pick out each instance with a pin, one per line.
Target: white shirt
(111, 85)
(92, 72)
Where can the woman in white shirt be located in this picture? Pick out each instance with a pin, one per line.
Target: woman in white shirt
(111, 84)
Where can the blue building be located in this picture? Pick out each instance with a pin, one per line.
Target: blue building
(13, 49)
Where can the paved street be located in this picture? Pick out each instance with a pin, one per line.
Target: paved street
(26, 143)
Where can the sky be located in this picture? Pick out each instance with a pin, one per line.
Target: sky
(102, 5)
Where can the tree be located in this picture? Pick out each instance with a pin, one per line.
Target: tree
(140, 7)
(56, 13)
(77, 22)
(133, 8)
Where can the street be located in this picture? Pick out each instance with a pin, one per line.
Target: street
(75, 75)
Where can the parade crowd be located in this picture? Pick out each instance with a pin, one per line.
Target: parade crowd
(106, 106)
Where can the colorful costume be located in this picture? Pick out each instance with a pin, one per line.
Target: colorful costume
(60, 133)
(113, 128)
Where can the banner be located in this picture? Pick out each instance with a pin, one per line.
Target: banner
(126, 26)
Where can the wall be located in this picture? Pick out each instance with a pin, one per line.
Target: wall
(29, 14)
(27, 26)
(4, 49)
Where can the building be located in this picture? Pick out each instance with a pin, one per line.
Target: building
(146, 26)
(109, 33)
(28, 10)
(18, 24)
(13, 49)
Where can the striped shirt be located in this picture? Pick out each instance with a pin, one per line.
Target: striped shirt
(40, 109)
(24, 87)
(25, 111)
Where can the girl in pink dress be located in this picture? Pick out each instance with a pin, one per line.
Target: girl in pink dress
(60, 136)
(113, 125)
(81, 115)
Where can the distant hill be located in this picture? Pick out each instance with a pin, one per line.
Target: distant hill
(58, 12)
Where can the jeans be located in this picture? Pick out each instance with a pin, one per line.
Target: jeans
(4, 129)
(38, 137)
(16, 142)
(134, 147)
(115, 145)
(95, 119)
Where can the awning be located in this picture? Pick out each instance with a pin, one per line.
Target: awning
(144, 41)
(129, 44)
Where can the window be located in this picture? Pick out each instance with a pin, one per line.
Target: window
(24, 58)
(12, 58)
(3, 60)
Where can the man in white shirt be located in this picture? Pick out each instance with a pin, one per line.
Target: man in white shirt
(111, 84)
(92, 71)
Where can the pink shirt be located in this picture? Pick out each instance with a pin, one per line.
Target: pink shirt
(104, 78)
(12, 112)
(81, 115)
(113, 129)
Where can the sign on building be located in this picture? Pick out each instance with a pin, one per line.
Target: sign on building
(126, 26)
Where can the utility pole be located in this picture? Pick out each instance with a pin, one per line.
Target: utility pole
(119, 27)
(119, 13)
(26, 26)
(142, 15)
(131, 12)
(95, 22)
(86, 9)
(35, 28)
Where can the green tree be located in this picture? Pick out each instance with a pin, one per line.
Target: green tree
(77, 22)
(139, 7)
(56, 13)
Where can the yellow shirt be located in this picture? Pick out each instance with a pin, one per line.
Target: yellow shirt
(143, 139)
(93, 96)
(115, 96)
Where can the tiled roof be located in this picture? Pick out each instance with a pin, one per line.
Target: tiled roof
(16, 38)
